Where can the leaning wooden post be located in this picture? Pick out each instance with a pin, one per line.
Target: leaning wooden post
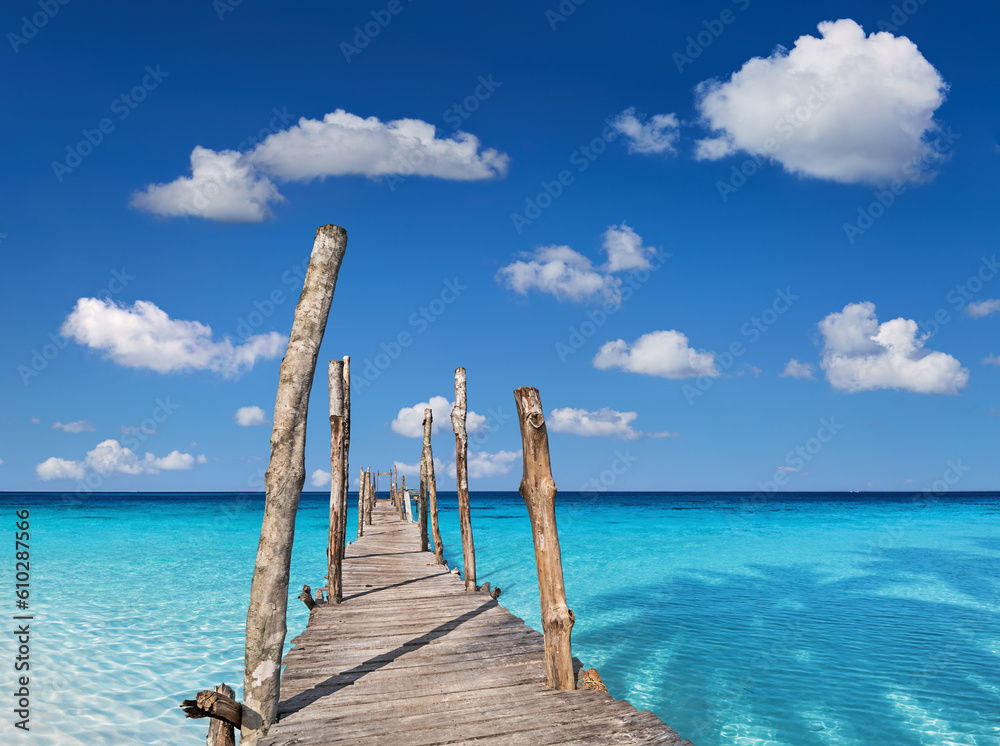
(266, 623)
(220, 732)
(458, 416)
(422, 504)
(432, 502)
(338, 476)
(539, 492)
(362, 491)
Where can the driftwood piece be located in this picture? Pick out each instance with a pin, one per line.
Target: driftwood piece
(428, 459)
(458, 417)
(306, 597)
(266, 622)
(225, 711)
(338, 476)
(539, 492)
(592, 680)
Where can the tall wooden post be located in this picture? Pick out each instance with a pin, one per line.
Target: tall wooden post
(362, 493)
(338, 475)
(399, 495)
(458, 416)
(266, 623)
(539, 492)
(432, 502)
(370, 497)
(422, 502)
(347, 470)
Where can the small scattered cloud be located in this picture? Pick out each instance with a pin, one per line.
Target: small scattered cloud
(605, 422)
(234, 187)
(483, 465)
(795, 369)
(111, 457)
(252, 416)
(144, 336)
(661, 353)
(793, 470)
(320, 478)
(859, 354)
(658, 134)
(992, 360)
(410, 421)
(36, 421)
(845, 107)
(80, 426)
(981, 308)
(568, 275)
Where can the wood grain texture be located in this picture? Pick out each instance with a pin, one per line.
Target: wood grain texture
(411, 659)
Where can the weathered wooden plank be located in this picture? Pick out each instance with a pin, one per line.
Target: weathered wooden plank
(412, 659)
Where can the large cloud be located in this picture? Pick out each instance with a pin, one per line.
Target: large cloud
(144, 336)
(111, 457)
(859, 354)
(230, 186)
(605, 422)
(570, 276)
(410, 421)
(843, 107)
(661, 353)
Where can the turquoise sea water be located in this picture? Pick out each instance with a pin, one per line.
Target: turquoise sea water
(798, 619)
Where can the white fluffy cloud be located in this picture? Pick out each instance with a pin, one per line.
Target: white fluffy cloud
(223, 186)
(320, 478)
(58, 468)
(410, 421)
(859, 354)
(412, 471)
(230, 186)
(660, 353)
(992, 360)
(625, 250)
(844, 107)
(483, 464)
(111, 457)
(570, 276)
(559, 271)
(144, 336)
(982, 308)
(795, 369)
(80, 426)
(605, 422)
(659, 134)
(250, 417)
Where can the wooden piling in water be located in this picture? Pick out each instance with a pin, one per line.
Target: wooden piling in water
(538, 489)
(458, 417)
(219, 705)
(428, 460)
(338, 478)
(266, 622)
(347, 464)
(422, 504)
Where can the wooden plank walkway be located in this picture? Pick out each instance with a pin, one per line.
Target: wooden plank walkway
(411, 659)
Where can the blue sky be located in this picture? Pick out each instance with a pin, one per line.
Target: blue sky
(730, 257)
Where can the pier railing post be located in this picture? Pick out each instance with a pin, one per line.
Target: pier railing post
(362, 492)
(458, 417)
(347, 463)
(370, 498)
(406, 502)
(539, 492)
(422, 503)
(432, 503)
(338, 476)
(266, 622)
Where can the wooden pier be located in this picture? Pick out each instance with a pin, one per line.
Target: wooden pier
(399, 650)
(410, 658)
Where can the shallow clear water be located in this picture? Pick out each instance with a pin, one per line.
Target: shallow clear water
(800, 620)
